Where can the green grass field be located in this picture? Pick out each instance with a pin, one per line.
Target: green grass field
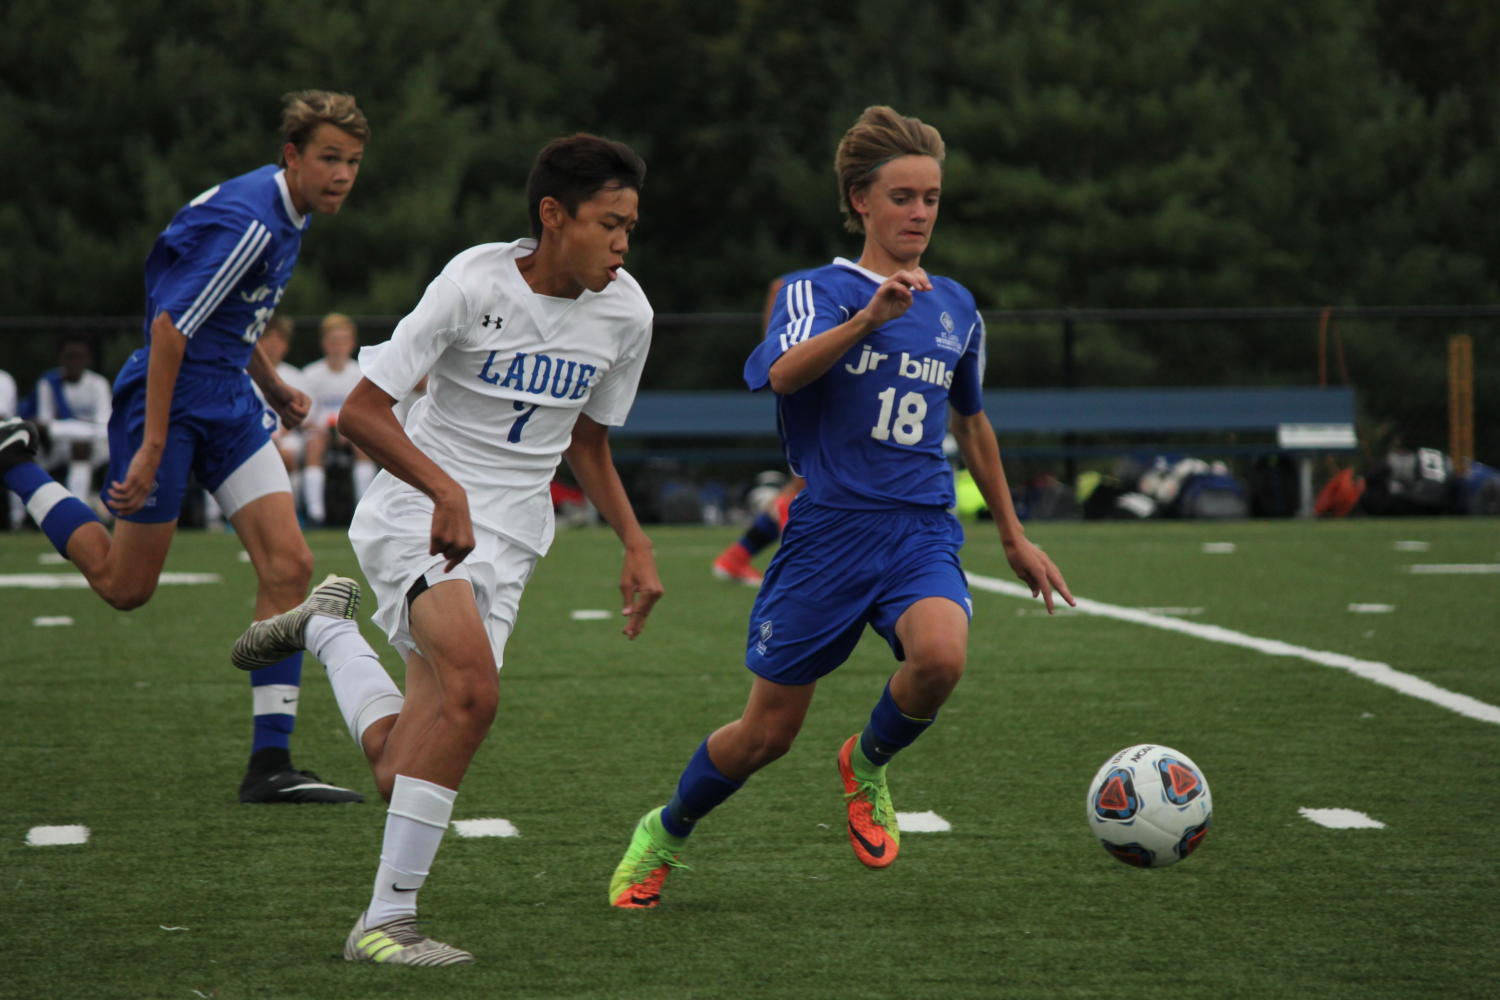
(135, 726)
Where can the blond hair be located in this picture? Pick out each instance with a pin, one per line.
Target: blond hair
(334, 321)
(880, 135)
(302, 111)
(280, 325)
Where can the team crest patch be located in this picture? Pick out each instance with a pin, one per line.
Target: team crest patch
(947, 338)
(765, 637)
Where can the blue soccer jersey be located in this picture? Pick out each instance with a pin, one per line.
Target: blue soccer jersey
(221, 265)
(218, 269)
(868, 434)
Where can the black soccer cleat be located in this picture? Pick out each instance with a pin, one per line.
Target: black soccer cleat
(292, 785)
(18, 442)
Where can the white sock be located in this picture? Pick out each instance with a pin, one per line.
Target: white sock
(364, 691)
(312, 494)
(81, 480)
(364, 472)
(414, 827)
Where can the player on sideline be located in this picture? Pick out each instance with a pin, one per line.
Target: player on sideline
(532, 350)
(183, 405)
(867, 359)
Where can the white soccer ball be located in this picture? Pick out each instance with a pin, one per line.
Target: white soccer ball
(1149, 806)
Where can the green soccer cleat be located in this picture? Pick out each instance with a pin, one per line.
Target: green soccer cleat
(274, 639)
(398, 942)
(873, 831)
(650, 858)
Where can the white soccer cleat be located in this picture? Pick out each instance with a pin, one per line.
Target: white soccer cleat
(398, 942)
(274, 639)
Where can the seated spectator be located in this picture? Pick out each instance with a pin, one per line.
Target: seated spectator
(72, 412)
(329, 381)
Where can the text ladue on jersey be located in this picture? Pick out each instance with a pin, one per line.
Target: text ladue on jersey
(539, 374)
(932, 370)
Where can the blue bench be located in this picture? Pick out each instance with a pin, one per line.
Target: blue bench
(1303, 420)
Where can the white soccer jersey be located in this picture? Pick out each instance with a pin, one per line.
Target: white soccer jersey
(8, 399)
(507, 379)
(328, 389)
(292, 376)
(88, 400)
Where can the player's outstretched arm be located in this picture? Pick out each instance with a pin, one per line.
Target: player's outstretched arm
(981, 454)
(367, 421)
(807, 360)
(290, 403)
(593, 466)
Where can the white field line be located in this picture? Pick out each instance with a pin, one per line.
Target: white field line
(485, 828)
(1380, 673)
(1342, 819)
(68, 581)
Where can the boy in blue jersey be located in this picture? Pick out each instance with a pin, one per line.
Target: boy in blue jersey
(867, 360)
(183, 405)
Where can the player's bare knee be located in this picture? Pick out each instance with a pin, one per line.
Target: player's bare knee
(938, 671)
(129, 594)
(288, 569)
(471, 706)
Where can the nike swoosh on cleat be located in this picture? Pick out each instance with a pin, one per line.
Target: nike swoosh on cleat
(644, 900)
(875, 852)
(310, 784)
(19, 436)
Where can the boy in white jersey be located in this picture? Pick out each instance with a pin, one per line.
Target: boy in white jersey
(329, 381)
(72, 412)
(532, 350)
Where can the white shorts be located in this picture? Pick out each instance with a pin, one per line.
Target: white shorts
(391, 531)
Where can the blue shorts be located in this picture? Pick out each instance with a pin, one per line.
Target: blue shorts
(217, 422)
(838, 570)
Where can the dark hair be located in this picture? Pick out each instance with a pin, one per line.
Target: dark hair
(575, 168)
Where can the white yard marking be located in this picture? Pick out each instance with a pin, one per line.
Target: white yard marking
(1380, 673)
(1218, 548)
(51, 559)
(1176, 612)
(922, 822)
(53, 836)
(1342, 819)
(1410, 546)
(51, 621)
(485, 828)
(71, 581)
(589, 615)
(1453, 569)
(1371, 609)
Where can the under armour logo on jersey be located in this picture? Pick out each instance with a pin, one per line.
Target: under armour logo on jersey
(492, 322)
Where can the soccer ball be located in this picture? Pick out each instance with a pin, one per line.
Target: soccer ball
(1149, 806)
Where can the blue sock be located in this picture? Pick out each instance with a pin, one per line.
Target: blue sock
(889, 730)
(58, 512)
(274, 691)
(701, 787)
(762, 532)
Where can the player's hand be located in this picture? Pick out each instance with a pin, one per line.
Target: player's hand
(894, 296)
(1036, 569)
(452, 530)
(130, 494)
(640, 589)
(292, 407)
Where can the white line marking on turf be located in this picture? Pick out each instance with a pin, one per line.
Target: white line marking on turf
(53, 836)
(166, 928)
(1410, 546)
(589, 615)
(65, 581)
(1381, 673)
(51, 559)
(1218, 548)
(48, 621)
(1371, 609)
(485, 828)
(1442, 569)
(1342, 819)
(1169, 611)
(922, 822)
